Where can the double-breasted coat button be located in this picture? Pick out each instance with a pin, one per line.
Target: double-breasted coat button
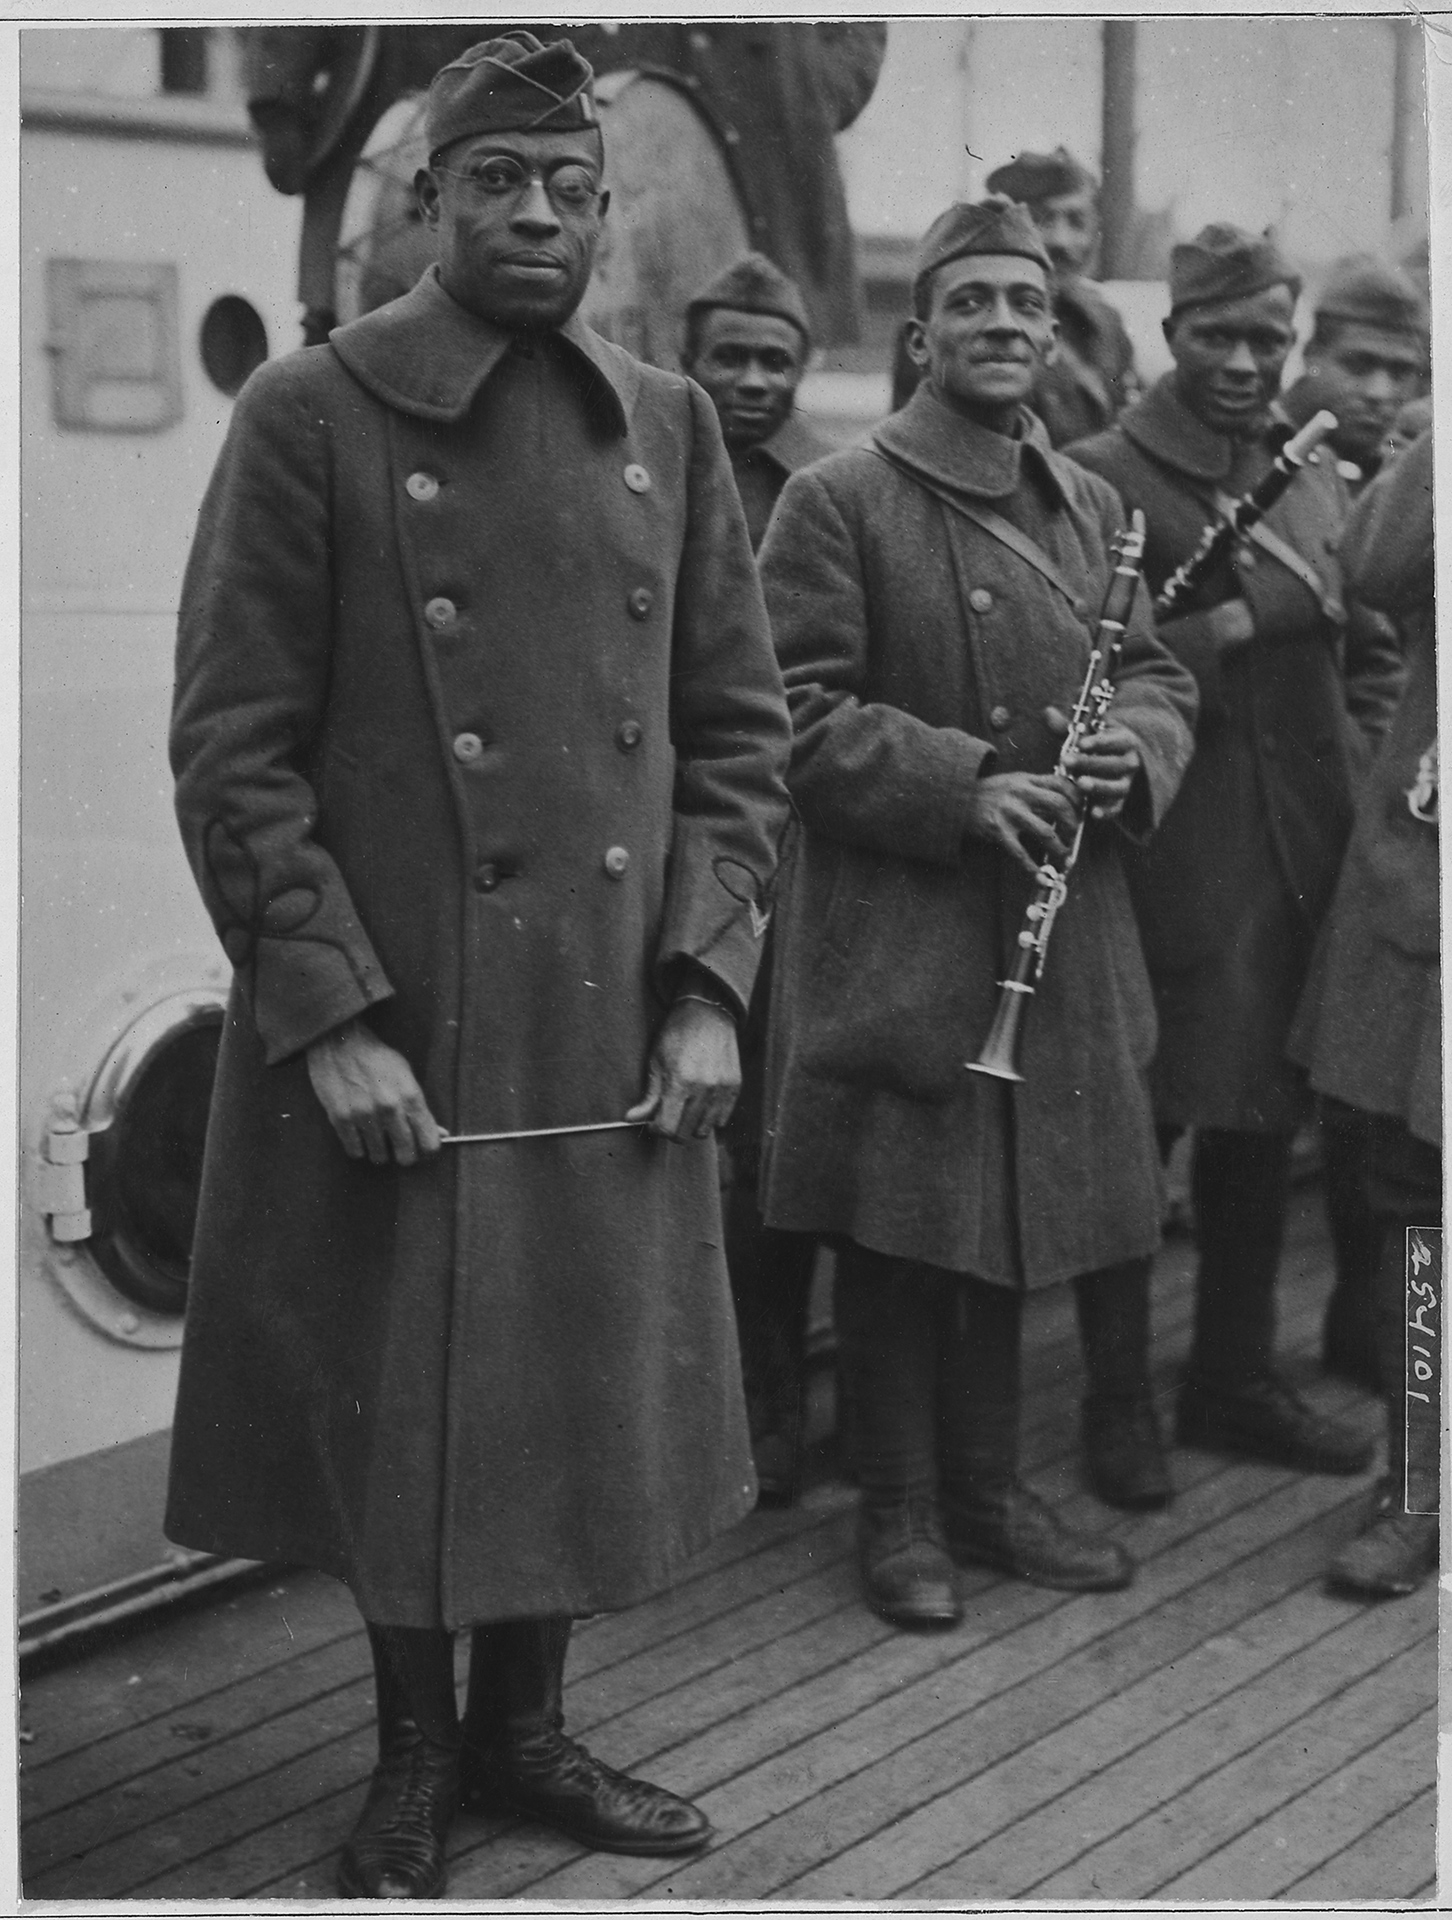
(422, 486)
(1000, 718)
(980, 600)
(440, 613)
(1246, 557)
(616, 862)
(467, 747)
(486, 876)
(627, 735)
(640, 602)
(636, 478)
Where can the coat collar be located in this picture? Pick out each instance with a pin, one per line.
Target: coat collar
(426, 355)
(1166, 429)
(955, 451)
(794, 445)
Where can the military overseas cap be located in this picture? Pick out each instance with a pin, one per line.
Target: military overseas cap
(1366, 290)
(1036, 177)
(994, 225)
(753, 284)
(515, 84)
(1227, 263)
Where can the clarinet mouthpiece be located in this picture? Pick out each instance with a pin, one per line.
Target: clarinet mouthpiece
(1301, 445)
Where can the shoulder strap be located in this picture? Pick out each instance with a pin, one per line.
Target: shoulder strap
(1294, 562)
(989, 522)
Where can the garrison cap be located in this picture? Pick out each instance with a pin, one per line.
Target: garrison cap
(753, 284)
(1227, 263)
(994, 225)
(1366, 290)
(515, 84)
(1035, 177)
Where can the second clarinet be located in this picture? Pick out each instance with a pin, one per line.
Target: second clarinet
(999, 1057)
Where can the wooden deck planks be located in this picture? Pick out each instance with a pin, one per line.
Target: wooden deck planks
(1388, 1863)
(1144, 1744)
(1151, 1852)
(839, 1758)
(1279, 1849)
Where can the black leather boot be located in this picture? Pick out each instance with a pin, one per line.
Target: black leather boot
(517, 1756)
(1348, 1329)
(885, 1316)
(989, 1518)
(396, 1851)
(1123, 1452)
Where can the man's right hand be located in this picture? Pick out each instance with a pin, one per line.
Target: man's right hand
(371, 1098)
(1028, 815)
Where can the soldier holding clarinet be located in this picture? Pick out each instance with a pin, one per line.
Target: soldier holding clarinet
(933, 600)
(1231, 892)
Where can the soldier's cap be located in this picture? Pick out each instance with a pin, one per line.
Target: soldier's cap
(1366, 290)
(994, 225)
(513, 84)
(753, 284)
(1036, 177)
(1224, 262)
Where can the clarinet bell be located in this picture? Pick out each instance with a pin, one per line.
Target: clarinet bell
(999, 1055)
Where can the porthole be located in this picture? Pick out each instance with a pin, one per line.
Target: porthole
(233, 342)
(144, 1167)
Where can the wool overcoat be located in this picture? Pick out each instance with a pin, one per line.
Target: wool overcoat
(1091, 379)
(479, 734)
(1370, 1028)
(1230, 894)
(919, 652)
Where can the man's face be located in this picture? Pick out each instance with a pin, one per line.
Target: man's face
(518, 219)
(751, 364)
(988, 331)
(1068, 225)
(1229, 355)
(1367, 376)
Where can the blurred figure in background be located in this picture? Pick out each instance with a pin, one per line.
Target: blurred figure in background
(1370, 1027)
(747, 342)
(1365, 359)
(1092, 378)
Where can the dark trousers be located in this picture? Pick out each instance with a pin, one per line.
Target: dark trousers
(931, 1362)
(1239, 1184)
(1403, 1189)
(771, 1283)
(1347, 1136)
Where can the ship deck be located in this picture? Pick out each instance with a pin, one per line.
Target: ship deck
(1223, 1730)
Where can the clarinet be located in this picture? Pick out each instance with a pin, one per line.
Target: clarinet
(999, 1057)
(1221, 535)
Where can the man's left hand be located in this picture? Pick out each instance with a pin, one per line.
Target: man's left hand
(1103, 767)
(694, 1074)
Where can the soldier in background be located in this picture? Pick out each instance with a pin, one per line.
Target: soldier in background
(1366, 358)
(1370, 1026)
(1230, 893)
(747, 342)
(1092, 378)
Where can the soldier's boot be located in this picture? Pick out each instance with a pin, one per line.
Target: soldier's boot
(396, 1851)
(518, 1758)
(1348, 1330)
(1123, 1451)
(990, 1518)
(885, 1329)
(1233, 1400)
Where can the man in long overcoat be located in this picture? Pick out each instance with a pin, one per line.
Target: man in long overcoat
(1370, 1027)
(932, 599)
(1231, 892)
(479, 740)
(747, 341)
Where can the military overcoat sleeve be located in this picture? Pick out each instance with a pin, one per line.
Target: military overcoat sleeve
(731, 734)
(863, 771)
(254, 654)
